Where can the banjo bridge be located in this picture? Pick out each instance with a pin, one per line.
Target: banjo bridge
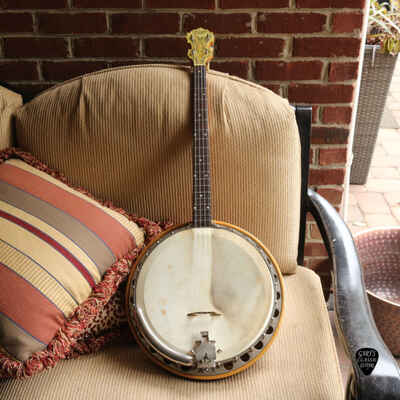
(204, 351)
(198, 313)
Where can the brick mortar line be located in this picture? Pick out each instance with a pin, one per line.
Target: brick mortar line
(328, 186)
(183, 59)
(330, 104)
(315, 268)
(330, 125)
(111, 59)
(250, 71)
(141, 48)
(308, 231)
(144, 9)
(328, 166)
(306, 258)
(310, 81)
(317, 150)
(311, 58)
(108, 23)
(289, 47)
(313, 157)
(333, 146)
(108, 65)
(221, 11)
(314, 146)
(70, 49)
(322, 187)
(338, 126)
(39, 71)
(35, 23)
(315, 125)
(329, 23)
(325, 11)
(181, 22)
(318, 167)
(329, 146)
(325, 71)
(253, 22)
(181, 35)
(319, 115)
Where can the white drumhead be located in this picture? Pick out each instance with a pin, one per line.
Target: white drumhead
(206, 270)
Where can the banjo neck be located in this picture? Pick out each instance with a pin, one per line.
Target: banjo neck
(200, 156)
(201, 52)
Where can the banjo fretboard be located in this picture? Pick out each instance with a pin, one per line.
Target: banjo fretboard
(201, 164)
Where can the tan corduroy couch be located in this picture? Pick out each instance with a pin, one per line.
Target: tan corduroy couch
(125, 135)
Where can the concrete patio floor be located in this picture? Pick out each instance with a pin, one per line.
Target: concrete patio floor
(377, 203)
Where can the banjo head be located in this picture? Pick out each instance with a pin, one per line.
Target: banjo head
(205, 303)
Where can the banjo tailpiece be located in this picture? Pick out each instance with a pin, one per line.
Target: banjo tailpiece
(204, 351)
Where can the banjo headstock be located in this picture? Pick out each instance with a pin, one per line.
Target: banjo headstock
(202, 42)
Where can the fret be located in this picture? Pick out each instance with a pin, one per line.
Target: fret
(201, 166)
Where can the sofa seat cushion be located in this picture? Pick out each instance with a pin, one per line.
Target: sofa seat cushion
(301, 364)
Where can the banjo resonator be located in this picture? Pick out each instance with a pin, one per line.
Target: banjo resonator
(204, 300)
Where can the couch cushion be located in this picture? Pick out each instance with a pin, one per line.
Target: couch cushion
(62, 256)
(9, 102)
(301, 364)
(114, 131)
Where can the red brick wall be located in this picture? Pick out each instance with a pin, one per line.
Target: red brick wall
(306, 50)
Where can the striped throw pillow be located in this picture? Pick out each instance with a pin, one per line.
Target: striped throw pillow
(62, 256)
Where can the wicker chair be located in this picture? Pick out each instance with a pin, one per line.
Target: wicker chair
(124, 134)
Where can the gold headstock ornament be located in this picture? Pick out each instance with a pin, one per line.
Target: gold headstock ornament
(202, 42)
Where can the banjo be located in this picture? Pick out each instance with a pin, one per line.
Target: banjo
(204, 299)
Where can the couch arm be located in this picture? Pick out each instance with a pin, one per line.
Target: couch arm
(9, 102)
(356, 325)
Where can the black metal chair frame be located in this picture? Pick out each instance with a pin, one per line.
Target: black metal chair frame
(355, 323)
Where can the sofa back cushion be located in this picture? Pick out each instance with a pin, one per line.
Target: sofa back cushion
(126, 134)
(9, 102)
